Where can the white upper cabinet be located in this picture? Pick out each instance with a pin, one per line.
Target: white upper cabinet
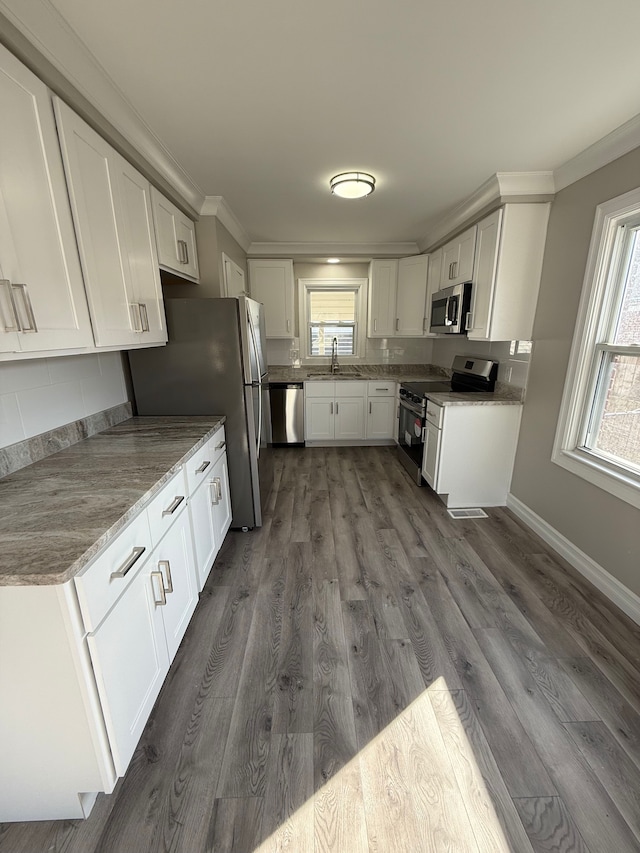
(233, 280)
(42, 301)
(508, 266)
(411, 314)
(457, 259)
(176, 238)
(111, 205)
(271, 282)
(383, 283)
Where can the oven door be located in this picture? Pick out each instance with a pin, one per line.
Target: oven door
(411, 431)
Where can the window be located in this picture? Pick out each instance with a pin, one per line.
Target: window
(598, 434)
(332, 309)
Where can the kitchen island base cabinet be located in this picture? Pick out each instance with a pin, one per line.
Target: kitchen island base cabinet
(469, 453)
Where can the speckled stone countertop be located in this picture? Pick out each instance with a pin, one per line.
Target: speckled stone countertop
(56, 514)
(479, 398)
(396, 372)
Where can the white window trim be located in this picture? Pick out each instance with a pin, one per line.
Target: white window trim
(357, 284)
(578, 389)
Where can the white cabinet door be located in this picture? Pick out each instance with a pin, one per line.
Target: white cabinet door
(203, 530)
(112, 212)
(457, 259)
(411, 297)
(175, 237)
(383, 279)
(174, 561)
(381, 417)
(319, 419)
(221, 500)
(271, 282)
(233, 283)
(349, 418)
(508, 267)
(130, 661)
(42, 304)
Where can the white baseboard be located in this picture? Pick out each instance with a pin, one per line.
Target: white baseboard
(615, 591)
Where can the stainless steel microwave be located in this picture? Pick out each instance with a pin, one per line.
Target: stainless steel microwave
(450, 309)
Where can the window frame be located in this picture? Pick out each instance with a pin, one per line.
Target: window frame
(357, 285)
(600, 291)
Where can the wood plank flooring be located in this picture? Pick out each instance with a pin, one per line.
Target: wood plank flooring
(365, 674)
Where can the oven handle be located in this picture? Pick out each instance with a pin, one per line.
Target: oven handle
(411, 408)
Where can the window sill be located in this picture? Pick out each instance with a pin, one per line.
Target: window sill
(624, 485)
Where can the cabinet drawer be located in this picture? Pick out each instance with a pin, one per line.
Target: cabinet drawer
(320, 389)
(217, 445)
(434, 414)
(166, 506)
(97, 589)
(349, 388)
(381, 389)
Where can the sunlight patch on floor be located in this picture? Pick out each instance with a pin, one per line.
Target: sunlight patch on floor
(415, 787)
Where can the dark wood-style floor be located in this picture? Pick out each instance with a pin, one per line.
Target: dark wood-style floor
(366, 674)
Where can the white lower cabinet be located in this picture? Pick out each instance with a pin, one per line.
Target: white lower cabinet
(381, 410)
(469, 452)
(334, 411)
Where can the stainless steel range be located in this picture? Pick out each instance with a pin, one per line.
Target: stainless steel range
(469, 375)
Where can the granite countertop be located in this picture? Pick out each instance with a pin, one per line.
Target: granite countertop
(396, 372)
(58, 513)
(499, 397)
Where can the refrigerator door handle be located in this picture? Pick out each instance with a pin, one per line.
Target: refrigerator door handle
(254, 343)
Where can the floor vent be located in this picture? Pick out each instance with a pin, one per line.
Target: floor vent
(474, 512)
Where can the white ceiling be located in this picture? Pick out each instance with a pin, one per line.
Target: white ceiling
(262, 102)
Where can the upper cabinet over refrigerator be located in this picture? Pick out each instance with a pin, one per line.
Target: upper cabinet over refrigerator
(176, 238)
(42, 301)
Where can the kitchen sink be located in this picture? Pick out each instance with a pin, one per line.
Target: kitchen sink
(337, 375)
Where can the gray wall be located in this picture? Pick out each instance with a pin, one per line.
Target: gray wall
(598, 523)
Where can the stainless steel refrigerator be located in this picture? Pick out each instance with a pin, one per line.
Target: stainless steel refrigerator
(215, 364)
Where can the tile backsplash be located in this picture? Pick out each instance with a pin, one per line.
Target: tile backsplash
(38, 395)
(378, 351)
(513, 357)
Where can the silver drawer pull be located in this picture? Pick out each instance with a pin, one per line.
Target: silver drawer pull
(164, 564)
(144, 317)
(173, 506)
(203, 467)
(157, 576)
(31, 319)
(129, 563)
(221, 445)
(382, 389)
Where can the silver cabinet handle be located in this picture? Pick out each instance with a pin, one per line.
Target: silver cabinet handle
(397, 323)
(203, 467)
(173, 506)
(164, 564)
(183, 252)
(469, 321)
(331, 411)
(163, 598)
(28, 307)
(336, 408)
(144, 317)
(424, 324)
(382, 389)
(369, 408)
(455, 269)
(215, 496)
(129, 563)
(16, 327)
(136, 316)
(221, 445)
(375, 325)
(288, 325)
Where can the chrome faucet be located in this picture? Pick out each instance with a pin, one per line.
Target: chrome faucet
(334, 356)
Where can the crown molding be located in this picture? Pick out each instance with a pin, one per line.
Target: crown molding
(45, 43)
(615, 144)
(215, 205)
(354, 251)
(498, 189)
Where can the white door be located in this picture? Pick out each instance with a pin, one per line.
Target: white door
(44, 307)
(173, 559)
(203, 530)
(319, 419)
(381, 418)
(221, 500)
(411, 296)
(130, 661)
(92, 176)
(349, 418)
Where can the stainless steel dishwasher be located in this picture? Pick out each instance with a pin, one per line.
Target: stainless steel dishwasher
(287, 412)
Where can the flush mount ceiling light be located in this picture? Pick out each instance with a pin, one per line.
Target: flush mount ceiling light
(352, 184)
(333, 260)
